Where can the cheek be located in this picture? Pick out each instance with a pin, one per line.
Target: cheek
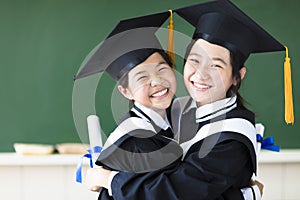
(135, 86)
(141, 96)
(137, 90)
(172, 79)
(173, 86)
(188, 71)
(140, 90)
(227, 81)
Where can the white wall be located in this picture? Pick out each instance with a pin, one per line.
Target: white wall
(280, 173)
(53, 177)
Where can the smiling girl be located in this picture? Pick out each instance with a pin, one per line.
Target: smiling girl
(142, 142)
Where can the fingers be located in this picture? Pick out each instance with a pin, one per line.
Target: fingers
(91, 181)
(259, 185)
(94, 189)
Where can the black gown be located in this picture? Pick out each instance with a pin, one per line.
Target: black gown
(212, 166)
(140, 150)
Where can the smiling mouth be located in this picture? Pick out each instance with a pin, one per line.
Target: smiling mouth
(201, 86)
(160, 93)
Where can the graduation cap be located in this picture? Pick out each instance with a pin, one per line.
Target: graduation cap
(221, 22)
(130, 43)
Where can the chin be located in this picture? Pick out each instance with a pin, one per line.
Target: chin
(162, 105)
(202, 101)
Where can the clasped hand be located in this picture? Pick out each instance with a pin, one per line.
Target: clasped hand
(96, 178)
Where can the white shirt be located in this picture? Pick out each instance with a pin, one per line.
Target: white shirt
(154, 116)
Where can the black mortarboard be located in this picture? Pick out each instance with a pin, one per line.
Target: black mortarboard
(131, 42)
(222, 23)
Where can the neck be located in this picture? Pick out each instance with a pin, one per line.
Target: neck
(161, 112)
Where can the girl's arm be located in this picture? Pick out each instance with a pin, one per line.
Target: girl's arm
(195, 178)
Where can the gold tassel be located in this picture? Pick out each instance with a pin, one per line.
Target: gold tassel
(288, 93)
(170, 47)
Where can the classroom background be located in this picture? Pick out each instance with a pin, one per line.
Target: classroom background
(44, 42)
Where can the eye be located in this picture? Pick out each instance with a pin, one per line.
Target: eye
(141, 78)
(216, 66)
(163, 68)
(194, 61)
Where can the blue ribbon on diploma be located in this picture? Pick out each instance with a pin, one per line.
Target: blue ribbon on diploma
(267, 143)
(97, 149)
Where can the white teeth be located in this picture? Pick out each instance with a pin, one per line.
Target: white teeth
(201, 86)
(159, 94)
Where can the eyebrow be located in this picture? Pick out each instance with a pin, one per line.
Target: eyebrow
(161, 63)
(215, 58)
(139, 73)
(142, 72)
(220, 59)
(195, 54)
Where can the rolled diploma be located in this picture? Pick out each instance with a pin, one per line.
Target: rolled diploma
(94, 130)
(260, 129)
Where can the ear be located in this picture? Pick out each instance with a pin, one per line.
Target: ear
(125, 92)
(243, 71)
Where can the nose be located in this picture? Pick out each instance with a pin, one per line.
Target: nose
(155, 80)
(202, 72)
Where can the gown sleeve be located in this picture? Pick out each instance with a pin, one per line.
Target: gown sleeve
(139, 152)
(202, 175)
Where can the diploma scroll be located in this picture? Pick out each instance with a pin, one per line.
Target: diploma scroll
(95, 137)
(259, 130)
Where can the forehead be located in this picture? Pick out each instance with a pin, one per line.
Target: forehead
(207, 49)
(153, 60)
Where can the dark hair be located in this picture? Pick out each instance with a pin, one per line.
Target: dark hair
(235, 61)
(188, 50)
(234, 89)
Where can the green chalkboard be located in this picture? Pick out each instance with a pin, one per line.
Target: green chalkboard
(43, 44)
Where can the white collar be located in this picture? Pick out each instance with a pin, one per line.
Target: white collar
(154, 116)
(192, 105)
(215, 109)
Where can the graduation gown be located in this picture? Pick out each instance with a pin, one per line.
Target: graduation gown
(222, 160)
(138, 146)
